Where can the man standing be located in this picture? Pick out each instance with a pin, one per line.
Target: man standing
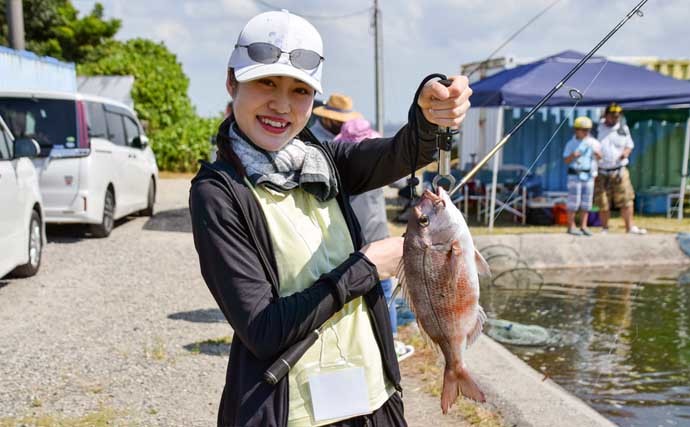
(581, 154)
(612, 184)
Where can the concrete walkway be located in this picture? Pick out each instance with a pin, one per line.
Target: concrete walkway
(547, 251)
(522, 395)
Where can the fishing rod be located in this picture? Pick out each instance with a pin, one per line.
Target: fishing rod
(445, 136)
(512, 37)
(635, 11)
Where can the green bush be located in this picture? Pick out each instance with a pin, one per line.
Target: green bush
(178, 136)
(160, 85)
(179, 147)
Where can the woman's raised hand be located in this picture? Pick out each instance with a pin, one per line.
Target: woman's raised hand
(445, 106)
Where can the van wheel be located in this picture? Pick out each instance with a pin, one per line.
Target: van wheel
(151, 199)
(35, 248)
(106, 226)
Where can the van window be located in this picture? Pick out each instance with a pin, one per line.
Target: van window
(116, 131)
(5, 149)
(96, 120)
(48, 121)
(131, 128)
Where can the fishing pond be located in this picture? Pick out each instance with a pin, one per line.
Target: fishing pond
(619, 341)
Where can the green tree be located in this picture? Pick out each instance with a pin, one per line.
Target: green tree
(160, 85)
(53, 27)
(179, 137)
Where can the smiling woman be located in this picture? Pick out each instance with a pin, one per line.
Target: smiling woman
(280, 248)
(272, 110)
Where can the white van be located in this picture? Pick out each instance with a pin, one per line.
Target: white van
(22, 233)
(95, 164)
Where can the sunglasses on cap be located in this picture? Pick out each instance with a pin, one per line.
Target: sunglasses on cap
(266, 53)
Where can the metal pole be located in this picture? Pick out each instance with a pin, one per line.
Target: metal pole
(15, 24)
(494, 175)
(684, 169)
(378, 64)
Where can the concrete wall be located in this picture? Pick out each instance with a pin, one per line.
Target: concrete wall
(522, 395)
(548, 251)
(23, 70)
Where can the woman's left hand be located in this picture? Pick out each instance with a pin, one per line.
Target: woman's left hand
(445, 106)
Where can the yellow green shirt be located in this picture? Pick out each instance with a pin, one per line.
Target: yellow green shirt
(311, 238)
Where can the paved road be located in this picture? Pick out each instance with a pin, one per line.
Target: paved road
(115, 326)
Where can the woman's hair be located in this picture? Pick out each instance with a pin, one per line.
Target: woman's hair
(231, 77)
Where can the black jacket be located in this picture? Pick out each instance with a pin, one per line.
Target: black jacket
(238, 264)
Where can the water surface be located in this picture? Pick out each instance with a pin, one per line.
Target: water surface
(620, 345)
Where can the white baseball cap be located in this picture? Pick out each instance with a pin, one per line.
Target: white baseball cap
(285, 31)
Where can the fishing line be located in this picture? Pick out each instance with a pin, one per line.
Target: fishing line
(534, 163)
(512, 37)
(575, 94)
(546, 97)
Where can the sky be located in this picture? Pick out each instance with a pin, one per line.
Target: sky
(419, 38)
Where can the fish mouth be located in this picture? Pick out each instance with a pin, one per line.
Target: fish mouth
(429, 203)
(434, 199)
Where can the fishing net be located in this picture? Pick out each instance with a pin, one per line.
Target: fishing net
(523, 278)
(501, 257)
(508, 270)
(507, 332)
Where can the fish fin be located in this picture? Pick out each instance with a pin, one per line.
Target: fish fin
(428, 341)
(402, 282)
(455, 254)
(400, 270)
(478, 326)
(456, 382)
(482, 266)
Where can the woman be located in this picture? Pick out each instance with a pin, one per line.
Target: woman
(280, 248)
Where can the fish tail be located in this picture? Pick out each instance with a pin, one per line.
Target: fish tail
(456, 381)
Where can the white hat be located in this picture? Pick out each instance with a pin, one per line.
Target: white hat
(285, 31)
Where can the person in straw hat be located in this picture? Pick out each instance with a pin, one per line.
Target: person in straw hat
(338, 109)
(279, 246)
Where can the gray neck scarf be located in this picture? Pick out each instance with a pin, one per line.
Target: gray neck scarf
(295, 165)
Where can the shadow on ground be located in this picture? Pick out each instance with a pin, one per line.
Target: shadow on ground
(3, 283)
(206, 315)
(212, 347)
(73, 233)
(170, 220)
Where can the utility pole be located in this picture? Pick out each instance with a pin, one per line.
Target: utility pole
(15, 23)
(378, 66)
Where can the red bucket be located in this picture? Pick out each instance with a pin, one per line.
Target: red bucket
(560, 214)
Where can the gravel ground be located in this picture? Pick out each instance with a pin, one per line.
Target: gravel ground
(117, 326)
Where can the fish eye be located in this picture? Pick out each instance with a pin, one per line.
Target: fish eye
(423, 221)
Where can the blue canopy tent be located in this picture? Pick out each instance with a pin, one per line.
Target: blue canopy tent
(599, 82)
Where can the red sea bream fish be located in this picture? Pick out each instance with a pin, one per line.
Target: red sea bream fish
(440, 279)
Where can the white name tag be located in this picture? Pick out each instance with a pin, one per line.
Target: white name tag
(339, 394)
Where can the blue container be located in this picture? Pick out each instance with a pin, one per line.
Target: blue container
(651, 203)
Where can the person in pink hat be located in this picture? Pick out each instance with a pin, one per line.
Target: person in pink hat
(356, 130)
(280, 248)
